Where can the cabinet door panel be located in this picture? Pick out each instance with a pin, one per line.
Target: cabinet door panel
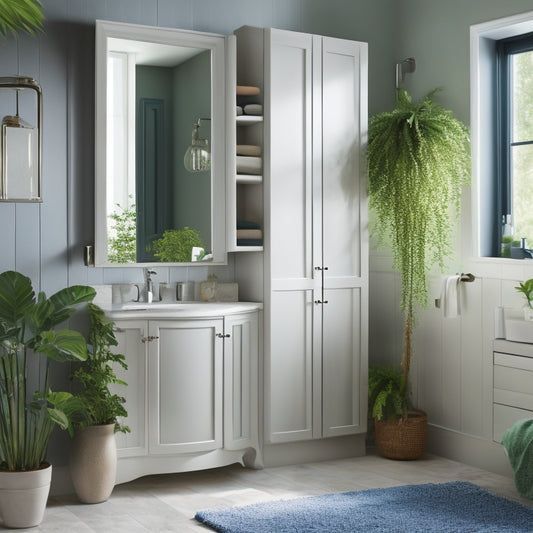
(240, 381)
(342, 187)
(288, 128)
(290, 391)
(185, 386)
(129, 335)
(343, 412)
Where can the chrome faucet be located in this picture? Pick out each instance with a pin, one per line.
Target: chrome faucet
(149, 284)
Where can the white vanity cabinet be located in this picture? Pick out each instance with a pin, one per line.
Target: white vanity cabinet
(513, 389)
(192, 394)
(315, 261)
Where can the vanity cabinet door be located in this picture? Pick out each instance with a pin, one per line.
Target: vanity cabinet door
(241, 349)
(130, 335)
(185, 373)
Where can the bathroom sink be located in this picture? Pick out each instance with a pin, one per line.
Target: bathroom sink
(177, 309)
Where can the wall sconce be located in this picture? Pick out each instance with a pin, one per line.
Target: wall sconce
(21, 146)
(197, 157)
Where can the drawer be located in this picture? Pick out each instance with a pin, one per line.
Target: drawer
(504, 417)
(513, 379)
(513, 361)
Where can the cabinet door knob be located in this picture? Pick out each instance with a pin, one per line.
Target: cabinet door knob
(321, 268)
(150, 338)
(321, 301)
(222, 335)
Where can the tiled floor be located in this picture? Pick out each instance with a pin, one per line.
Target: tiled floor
(168, 502)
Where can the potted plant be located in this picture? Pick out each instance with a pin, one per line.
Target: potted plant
(93, 458)
(28, 417)
(176, 245)
(526, 288)
(418, 161)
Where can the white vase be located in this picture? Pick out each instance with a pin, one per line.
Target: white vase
(93, 463)
(23, 497)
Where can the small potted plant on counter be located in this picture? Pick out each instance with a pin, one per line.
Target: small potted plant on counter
(93, 459)
(526, 288)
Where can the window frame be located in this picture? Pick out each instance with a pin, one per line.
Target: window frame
(505, 49)
(480, 247)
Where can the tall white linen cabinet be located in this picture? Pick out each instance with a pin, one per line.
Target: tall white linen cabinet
(312, 273)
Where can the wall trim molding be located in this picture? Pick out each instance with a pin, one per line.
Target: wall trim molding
(474, 451)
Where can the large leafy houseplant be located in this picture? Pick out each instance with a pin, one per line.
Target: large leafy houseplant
(27, 334)
(23, 15)
(418, 161)
(99, 405)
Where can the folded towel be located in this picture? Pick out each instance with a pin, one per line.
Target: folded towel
(249, 149)
(253, 109)
(518, 442)
(249, 234)
(247, 90)
(244, 100)
(249, 165)
(248, 224)
(249, 242)
(239, 110)
(449, 297)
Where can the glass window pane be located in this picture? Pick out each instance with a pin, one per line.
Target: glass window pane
(522, 88)
(522, 180)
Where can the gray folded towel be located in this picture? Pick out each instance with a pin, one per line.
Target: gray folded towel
(253, 109)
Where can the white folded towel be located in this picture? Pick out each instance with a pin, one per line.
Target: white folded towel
(450, 296)
(249, 165)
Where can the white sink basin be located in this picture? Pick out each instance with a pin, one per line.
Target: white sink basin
(180, 309)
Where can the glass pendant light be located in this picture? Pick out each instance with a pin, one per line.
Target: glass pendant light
(197, 157)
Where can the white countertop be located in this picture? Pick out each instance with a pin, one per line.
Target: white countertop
(170, 310)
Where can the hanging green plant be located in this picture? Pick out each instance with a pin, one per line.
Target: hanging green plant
(20, 15)
(418, 161)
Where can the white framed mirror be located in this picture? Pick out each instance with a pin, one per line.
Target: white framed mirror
(156, 89)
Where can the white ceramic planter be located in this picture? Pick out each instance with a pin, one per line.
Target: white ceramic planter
(23, 497)
(93, 463)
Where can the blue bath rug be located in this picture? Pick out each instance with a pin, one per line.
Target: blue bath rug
(456, 507)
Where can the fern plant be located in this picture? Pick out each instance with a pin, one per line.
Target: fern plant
(99, 405)
(386, 395)
(418, 161)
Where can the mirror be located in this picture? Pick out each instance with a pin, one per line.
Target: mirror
(156, 89)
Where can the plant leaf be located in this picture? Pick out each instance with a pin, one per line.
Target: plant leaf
(62, 345)
(24, 15)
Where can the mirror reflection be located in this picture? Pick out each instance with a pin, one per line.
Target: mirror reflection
(158, 103)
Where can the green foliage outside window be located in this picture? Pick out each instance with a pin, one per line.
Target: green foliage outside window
(122, 242)
(522, 155)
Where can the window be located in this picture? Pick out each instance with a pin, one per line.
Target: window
(501, 84)
(515, 141)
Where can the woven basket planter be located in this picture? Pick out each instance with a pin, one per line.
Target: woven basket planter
(403, 439)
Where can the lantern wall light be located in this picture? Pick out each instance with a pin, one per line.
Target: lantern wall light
(21, 141)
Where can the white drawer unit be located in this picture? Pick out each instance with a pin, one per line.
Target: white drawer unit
(513, 385)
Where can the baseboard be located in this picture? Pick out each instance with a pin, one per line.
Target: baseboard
(475, 451)
(293, 453)
(61, 481)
